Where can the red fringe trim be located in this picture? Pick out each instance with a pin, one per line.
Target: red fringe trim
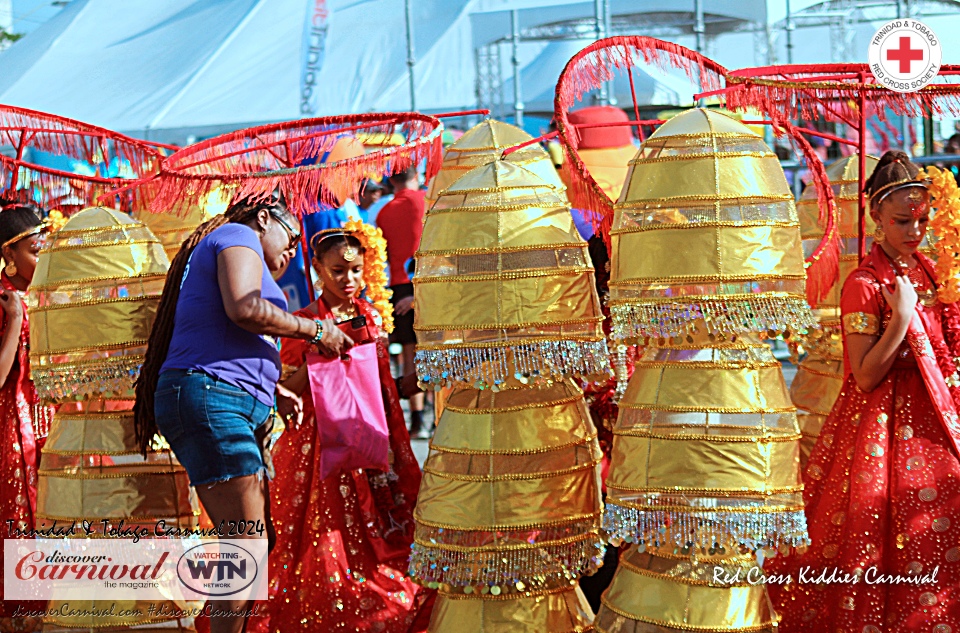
(260, 160)
(26, 130)
(823, 264)
(586, 71)
(811, 91)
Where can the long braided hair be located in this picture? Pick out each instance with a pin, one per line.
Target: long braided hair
(158, 345)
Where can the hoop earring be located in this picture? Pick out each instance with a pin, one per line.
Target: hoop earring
(10, 269)
(878, 236)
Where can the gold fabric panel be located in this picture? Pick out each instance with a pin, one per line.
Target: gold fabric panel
(93, 434)
(810, 425)
(91, 326)
(861, 323)
(532, 226)
(817, 385)
(471, 505)
(648, 590)
(101, 261)
(713, 464)
(725, 176)
(745, 252)
(125, 494)
(564, 611)
(495, 304)
(675, 387)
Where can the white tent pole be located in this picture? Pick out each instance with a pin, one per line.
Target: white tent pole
(517, 89)
(789, 27)
(598, 31)
(698, 27)
(411, 58)
(608, 32)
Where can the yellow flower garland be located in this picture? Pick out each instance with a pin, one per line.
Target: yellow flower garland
(374, 268)
(945, 201)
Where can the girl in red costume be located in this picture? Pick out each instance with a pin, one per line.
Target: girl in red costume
(882, 487)
(23, 421)
(342, 542)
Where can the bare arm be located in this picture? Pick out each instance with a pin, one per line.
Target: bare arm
(297, 382)
(239, 271)
(871, 357)
(10, 343)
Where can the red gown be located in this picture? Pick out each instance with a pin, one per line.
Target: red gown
(343, 542)
(882, 487)
(23, 426)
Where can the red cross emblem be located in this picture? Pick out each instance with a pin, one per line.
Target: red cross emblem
(905, 55)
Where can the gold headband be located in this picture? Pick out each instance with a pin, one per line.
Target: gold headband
(43, 226)
(890, 187)
(349, 253)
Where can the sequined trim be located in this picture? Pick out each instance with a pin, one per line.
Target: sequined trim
(861, 323)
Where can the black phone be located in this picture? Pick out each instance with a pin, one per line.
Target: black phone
(357, 329)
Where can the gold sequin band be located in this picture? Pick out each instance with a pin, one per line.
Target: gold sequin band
(778, 314)
(515, 561)
(107, 377)
(861, 323)
(527, 363)
(754, 523)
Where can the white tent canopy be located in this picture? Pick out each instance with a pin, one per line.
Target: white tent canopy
(161, 69)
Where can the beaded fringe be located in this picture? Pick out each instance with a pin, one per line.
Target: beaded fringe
(509, 570)
(529, 363)
(775, 315)
(113, 378)
(706, 531)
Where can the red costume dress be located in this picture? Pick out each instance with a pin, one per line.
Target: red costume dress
(882, 487)
(24, 428)
(342, 542)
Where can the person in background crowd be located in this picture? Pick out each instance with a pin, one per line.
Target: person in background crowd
(369, 205)
(23, 420)
(210, 377)
(401, 221)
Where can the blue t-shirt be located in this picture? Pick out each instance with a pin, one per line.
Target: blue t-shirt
(204, 337)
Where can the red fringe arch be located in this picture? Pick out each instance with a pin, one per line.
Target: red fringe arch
(259, 160)
(24, 130)
(586, 71)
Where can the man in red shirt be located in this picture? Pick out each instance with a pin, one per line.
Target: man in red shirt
(401, 221)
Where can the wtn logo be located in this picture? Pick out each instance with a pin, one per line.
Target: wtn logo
(224, 568)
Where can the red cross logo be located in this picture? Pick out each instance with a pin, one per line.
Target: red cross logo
(905, 55)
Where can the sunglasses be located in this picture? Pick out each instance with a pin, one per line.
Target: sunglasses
(291, 231)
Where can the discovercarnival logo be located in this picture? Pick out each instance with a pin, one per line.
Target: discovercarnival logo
(905, 55)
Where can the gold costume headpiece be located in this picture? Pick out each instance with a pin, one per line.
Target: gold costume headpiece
(486, 142)
(40, 228)
(706, 230)
(92, 302)
(504, 285)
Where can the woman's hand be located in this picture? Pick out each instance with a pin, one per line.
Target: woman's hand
(289, 406)
(11, 304)
(903, 299)
(403, 306)
(334, 343)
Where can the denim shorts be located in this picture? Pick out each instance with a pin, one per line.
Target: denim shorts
(210, 425)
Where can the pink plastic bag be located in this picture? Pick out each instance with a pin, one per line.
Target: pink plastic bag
(350, 416)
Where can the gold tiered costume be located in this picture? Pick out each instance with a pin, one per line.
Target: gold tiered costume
(820, 374)
(174, 227)
(706, 262)
(508, 515)
(92, 303)
(486, 142)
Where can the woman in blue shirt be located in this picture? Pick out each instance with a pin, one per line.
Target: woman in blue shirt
(209, 380)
